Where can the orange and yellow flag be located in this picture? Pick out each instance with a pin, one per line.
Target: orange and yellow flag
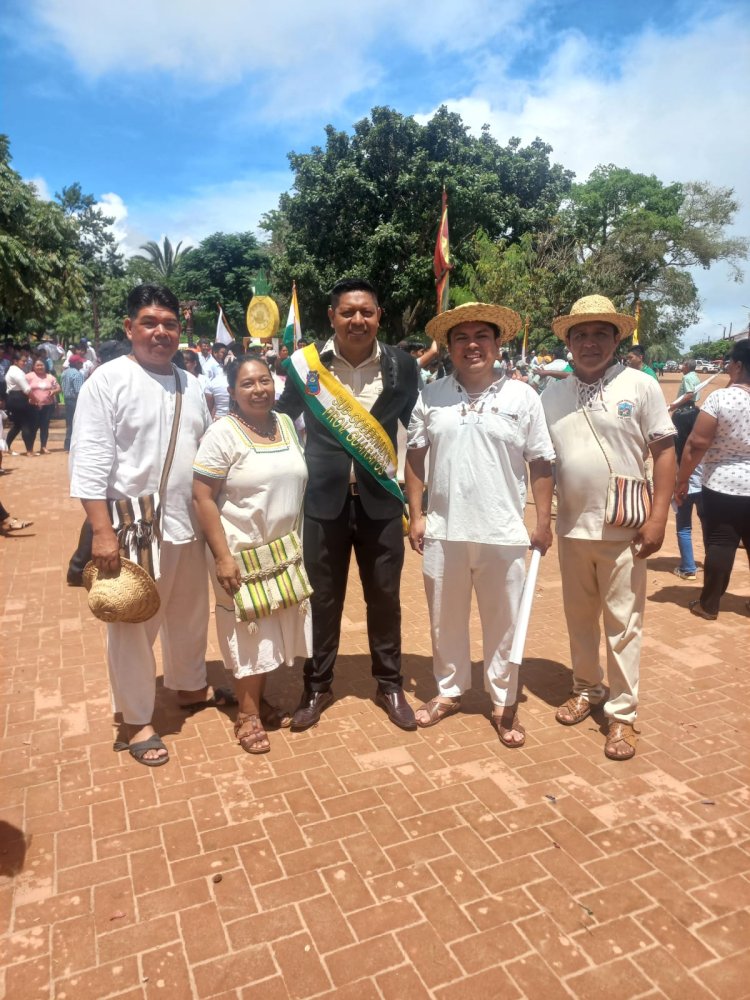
(442, 260)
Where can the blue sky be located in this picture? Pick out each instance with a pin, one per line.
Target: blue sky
(177, 114)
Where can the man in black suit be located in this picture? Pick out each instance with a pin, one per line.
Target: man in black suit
(347, 508)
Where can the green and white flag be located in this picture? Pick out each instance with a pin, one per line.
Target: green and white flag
(293, 330)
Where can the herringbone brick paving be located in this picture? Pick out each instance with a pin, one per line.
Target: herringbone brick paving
(355, 860)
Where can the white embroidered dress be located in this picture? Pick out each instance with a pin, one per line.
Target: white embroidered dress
(260, 499)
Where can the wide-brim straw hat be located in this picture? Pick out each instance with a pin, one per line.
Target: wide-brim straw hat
(130, 595)
(590, 309)
(506, 320)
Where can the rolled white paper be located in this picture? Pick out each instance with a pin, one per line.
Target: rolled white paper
(701, 385)
(524, 611)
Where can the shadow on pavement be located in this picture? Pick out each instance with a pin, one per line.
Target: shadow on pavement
(13, 846)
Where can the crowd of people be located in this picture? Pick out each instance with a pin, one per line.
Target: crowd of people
(263, 473)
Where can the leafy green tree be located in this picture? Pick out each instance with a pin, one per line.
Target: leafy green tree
(711, 349)
(621, 234)
(221, 269)
(40, 267)
(97, 247)
(537, 276)
(369, 204)
(72, 324)
(638, 238)
(164, 259)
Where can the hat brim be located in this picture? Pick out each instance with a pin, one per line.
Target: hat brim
(130, 595)
(506, 320)
(625, 325)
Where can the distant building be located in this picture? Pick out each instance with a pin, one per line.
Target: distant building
(740, 335)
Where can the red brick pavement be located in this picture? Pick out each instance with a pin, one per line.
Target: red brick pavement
(356, 860)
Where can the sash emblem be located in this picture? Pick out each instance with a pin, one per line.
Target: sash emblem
(312, 384)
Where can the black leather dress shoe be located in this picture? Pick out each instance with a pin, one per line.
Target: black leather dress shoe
(397, 708)
(310, 708)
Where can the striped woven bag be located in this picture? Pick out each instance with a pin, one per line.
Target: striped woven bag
(273, 577)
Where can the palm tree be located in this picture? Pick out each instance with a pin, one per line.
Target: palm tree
(164, 258)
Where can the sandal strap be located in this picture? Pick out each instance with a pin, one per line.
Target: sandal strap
(622, 731)
(242, 720)
(438, 708)
(577, 707)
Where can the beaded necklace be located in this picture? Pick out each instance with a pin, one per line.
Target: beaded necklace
(270, 435)
(477, 400)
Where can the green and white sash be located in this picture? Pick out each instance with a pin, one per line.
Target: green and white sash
(356, 430)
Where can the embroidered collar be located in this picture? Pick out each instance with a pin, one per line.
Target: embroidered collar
(587, 393)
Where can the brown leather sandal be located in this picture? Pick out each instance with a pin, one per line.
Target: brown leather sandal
(577, 708)
(507, 722)
(620, 732)
(249, 741)
(438, 710)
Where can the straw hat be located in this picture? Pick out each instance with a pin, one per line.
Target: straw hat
(508, 321)
(590, 309)
(127, 596)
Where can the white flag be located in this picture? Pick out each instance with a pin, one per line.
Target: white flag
(223, 334)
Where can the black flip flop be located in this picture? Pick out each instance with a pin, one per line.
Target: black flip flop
(221, 698)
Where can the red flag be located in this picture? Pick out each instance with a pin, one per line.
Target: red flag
(442, 261)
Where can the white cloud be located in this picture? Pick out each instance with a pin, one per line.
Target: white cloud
(41, 187)
(233, 207)
(672, 106)
(295, 57)
(115, 208)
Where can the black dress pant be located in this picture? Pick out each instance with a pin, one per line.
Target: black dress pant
(23, 415)
(379, 549)
(43, 418)
(726, 522)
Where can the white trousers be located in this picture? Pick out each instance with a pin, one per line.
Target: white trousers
(497, 573)
(604, 580)
(183, 621)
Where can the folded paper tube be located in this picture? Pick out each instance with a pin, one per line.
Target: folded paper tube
(697, 389)
(524, 611)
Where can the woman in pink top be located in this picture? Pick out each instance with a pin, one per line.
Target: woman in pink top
(43, 398)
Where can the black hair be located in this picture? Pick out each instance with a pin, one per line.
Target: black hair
(637, 349)
(346, 285)
(152, 295)
(111, 349)
(218, 346)
(185, 352)
(232, 370)
(741, 353)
